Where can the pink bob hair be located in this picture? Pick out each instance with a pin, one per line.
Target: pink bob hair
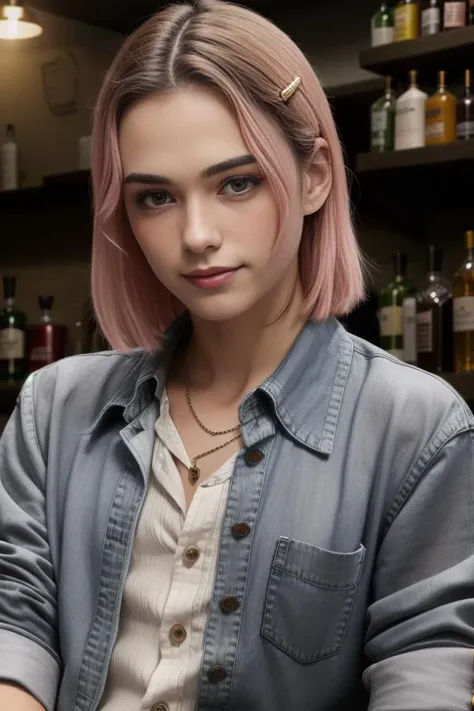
(248, 60)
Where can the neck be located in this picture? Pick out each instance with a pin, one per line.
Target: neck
(237, 355)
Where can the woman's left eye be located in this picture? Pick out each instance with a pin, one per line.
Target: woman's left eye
(241, 185)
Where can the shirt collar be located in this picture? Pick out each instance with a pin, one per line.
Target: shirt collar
(305, 392)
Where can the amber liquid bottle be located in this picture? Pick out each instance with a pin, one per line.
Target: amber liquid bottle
(463, 311)
(465, 111)
(440, 115)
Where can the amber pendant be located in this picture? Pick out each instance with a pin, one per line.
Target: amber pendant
(194, 473)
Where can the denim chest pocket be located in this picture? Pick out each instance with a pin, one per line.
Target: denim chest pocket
(309, 599)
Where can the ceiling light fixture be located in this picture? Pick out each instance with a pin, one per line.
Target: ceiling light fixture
(18, 22)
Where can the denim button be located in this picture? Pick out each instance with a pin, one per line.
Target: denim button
(253, 457)
(229, 604)
(216, 674)
(240, 530)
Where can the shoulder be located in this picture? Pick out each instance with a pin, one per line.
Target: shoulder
(80, 386)
(405, 396)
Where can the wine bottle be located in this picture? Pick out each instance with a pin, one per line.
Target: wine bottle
(465, 111)
(13, 364)
(410, 117)
(434, 318)
(393, 320)
(463, 310)
(382, 25)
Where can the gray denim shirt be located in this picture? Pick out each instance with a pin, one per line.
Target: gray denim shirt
(355, 571)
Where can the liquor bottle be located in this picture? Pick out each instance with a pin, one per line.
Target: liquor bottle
(454, 14)
(382, 25)
(407, 20)
(440, 113)
(393, 321)
(383, 120)
(465, 111)
(463, 311)
(12, 336)
(430, 17)
(46, 341)
(434, 318)
(410, 117)
(9, 160)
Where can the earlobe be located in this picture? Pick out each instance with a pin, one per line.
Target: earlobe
(317, 179)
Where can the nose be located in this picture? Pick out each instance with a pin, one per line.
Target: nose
(200, 232)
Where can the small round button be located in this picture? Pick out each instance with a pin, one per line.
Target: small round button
(253, 457)
(160, 707)
(240, 529)
(177, 634)
(229, 604)
(191, 554)
(216, 674)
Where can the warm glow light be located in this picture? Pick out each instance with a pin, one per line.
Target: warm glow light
(15, 24)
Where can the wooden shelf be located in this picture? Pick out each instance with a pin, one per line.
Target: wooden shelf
(459, 152)
(57, 190)
(452, 50)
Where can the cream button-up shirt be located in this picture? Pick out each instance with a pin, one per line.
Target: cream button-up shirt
(158, 651)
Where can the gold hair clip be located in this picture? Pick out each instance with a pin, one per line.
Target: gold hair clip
(288, 91)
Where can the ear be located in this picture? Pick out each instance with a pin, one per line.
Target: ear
(317, 179)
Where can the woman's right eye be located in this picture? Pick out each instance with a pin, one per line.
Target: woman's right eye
(153, 199)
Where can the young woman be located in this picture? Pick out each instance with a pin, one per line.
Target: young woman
(241, 506)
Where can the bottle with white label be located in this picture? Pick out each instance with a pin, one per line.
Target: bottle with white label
(463, 311)
(434, 318)
(13, 322)
(9, 160)
(430, 17)
(465, 111)
(382, 25)
(397, 316)
(410, 117)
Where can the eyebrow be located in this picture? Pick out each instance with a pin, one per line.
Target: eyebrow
(150, 179)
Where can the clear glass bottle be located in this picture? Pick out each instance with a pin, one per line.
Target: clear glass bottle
(382, 120)
(434, 318)
(393, 322)
(13, 323)
(430, 17)
(382, 25)
(463, 310)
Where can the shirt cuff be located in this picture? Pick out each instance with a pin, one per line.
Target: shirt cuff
(434, 679)
(26, 663)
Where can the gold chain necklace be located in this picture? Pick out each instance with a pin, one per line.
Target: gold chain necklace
(194, 471)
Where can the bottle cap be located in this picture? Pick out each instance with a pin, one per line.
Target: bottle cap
(470, 239)
(46, 302)
(413, 76)
(442, 78)
(435, 259)
(9, 287)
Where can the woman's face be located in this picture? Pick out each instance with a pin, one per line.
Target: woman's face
(200, 207)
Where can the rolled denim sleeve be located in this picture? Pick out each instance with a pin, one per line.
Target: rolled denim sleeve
(420, 636)
(28, 609)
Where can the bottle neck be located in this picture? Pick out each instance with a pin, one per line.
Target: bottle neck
(9, 303)
(46, 316)
(470, 254)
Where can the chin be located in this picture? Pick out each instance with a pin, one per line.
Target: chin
(217, 309)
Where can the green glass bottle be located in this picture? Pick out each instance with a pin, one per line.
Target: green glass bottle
(13, 362)
(396, 314)
(382, 120)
